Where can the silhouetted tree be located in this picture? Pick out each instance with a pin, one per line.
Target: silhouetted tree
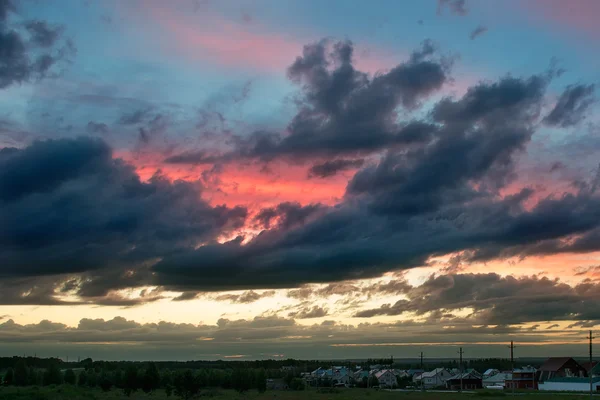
(70, 377)
(52, 375)
(21, 374)
(104, 381)
(186, 385)
(151, 379)
(261, 380)
(130, 383)
(297, 384)
(9, 377)
(82, 378)
(373, 381)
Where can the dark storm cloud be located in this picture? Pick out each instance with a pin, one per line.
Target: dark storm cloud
(30, 54)
(332, 167)
(68, 206)
(480, 30)
(286, 215)
(498, 300)
(571, 106)
(415, 203)
(345, 111)
(134, 117)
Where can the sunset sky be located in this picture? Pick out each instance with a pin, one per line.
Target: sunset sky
(249, 179)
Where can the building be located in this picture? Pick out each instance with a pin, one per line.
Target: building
(496, 380)
(433, 379)
(573, 384)
(522, 378)
(386, 378)
(490, 372)
(560, 367)
(594, 368)
(470, 380)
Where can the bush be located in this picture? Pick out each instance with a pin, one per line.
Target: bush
(70, 377)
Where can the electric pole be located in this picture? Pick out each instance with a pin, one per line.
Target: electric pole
(512, 366)
(460, 366)
(422, 372)
(590, 337)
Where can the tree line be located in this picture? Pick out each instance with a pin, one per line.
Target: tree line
(184, 383)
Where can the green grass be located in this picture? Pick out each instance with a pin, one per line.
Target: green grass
(66, 392)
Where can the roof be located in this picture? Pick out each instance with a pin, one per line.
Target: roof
(553, 364)
(383, 372)
(433, 373)
(501, 376)
(573, 380)
(594, 366)
(466, 375)
(491, 371)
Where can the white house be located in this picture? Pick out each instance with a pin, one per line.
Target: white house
(496, 380)
(386, 378)
(574, 384)
(435, 378)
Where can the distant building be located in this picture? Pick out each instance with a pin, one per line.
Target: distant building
(470, 380)
(571, 384)
(496, 380)
(386, 378)
(560, 367)
(276, 384)
(490, 372)
(432, 379)
(522, 378)
(593, 368)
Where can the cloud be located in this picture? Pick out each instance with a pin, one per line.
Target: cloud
(456, 7)
(69, 207)
(31, 53)
(494, 299)
(344, 111)
(480, 30)
(97, 127)
(308, 312)
(247, 297)
(332, 167)
(571, 106)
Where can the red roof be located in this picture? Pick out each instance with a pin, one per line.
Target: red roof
(554, 364)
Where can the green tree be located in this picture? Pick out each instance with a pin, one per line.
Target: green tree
(151, 379)
(297, 384)
(52, 375)
(82, 378)
(104, 381)
(373, 381)
(118, 378)
(92, 378)
(185, 384)
(261, 380)
(70, 377)
(21, 373)
(130, 383)
(9, 377)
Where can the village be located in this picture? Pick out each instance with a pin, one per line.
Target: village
(555, 374)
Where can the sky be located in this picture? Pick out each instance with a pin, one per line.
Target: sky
(202, 179)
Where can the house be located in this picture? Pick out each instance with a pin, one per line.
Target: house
(413, 372)
(360, 375)
(435, 378)
(401, 374)
(490, 372)
(571, 384)
(466, 381)
(560, 367)
(386, 378)
(496, 380)
(594, 368)
(522, 378)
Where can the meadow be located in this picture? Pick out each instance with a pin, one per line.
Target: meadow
(66, 392)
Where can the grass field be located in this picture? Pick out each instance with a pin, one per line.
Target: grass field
(69, 393)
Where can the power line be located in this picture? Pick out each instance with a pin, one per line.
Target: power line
(512, 366)
(460, 365)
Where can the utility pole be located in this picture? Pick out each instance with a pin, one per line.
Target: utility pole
(512, 366)
(590, 337)
(460, 365)
(422, 372)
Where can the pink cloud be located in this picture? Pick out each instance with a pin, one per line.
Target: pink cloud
(579, 15)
